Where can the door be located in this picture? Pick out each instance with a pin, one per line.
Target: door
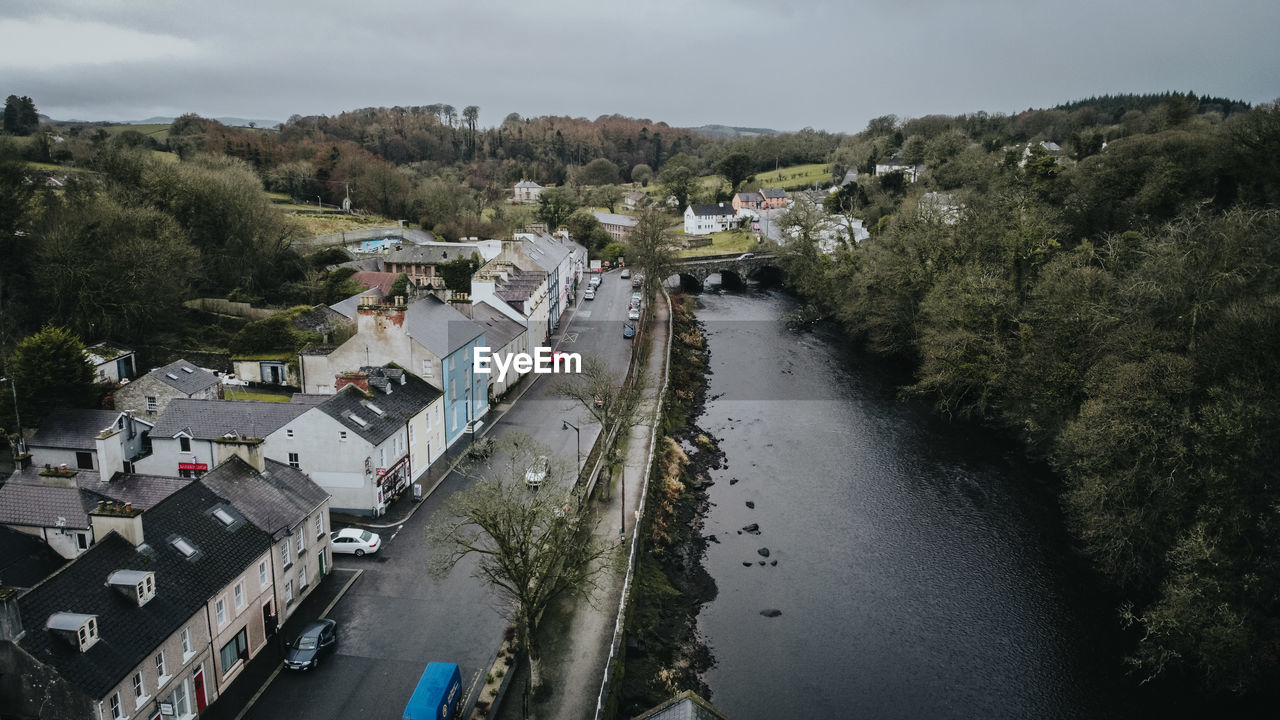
(201, 702)
(268, 620)
(324, 566)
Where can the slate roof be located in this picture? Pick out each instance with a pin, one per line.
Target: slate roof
(380, 281)
(212, 419)
(25, 559)
(614, 219)
(773, 193)
(438, 327)
(713, 210)
(347, 308)
(142, 491)
(273, 500)
(73, 428)
(106, 351)
(185, 377)
(315, 349)
(527, 184)
(29, 499)
(403, 402)
(546, 251)
(750, 197)
(688, 705)
(129, 635)
(498, 328)
(519, 285)
(432, 254)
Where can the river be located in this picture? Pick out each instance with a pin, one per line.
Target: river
(921, 569)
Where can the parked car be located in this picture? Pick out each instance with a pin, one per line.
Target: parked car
(628, 330)
(590, 293)
(595, 281)
(626, 273)
(316, 640)
(746, 256)
(634, 314)
(537, 472)
(637, 280)
(354, 541)
(636, 298)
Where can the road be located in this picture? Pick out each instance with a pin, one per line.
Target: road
(396, 618)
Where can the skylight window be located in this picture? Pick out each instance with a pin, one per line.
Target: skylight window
(171, 376)
(224, 517)
(186, 369)
(359, 420)
(377, 410)
(184, 547)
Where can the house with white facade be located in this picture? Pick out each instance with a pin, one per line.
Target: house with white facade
(192, 436)
(910, 172)
(506, 338)
(367, 443)
(704, 219)
(107, 440)
(427, 337)
(111, 362)
(526, 192)
(564, 261)
(516, 286)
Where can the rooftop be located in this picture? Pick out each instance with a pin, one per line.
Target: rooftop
(185, 377)
(212, 419)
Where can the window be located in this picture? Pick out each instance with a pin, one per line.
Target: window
(187, 650)
(235, 651)
(239, 593)
(146, 589)
(302, 541)
(342, 435)
(84, 460)
(288, 592)
(288, 433)
(116, 712)
(184, 444)
(139, 689)
(319, 526)
(221, 610)
(382, 457)
(82, 541)
(88, 634)
(162, 670)
(264, 578)
(293, 460)
(286, 559)
(152, 404)
(184, 547)
(223, 516)
(181, 702)
(426, 368)
(302, 579)
(411, 433)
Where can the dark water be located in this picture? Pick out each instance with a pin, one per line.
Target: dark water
(921, 569)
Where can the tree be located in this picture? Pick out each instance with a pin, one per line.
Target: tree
(600, 171)
(400, 288)
(533, 547)
(20, 116)
(581, 224)
(608, 402)
(642, 174)
(679, 182)
(607, 196)
(49, 370)
(555, 205)
(649, 248)
(736, 168)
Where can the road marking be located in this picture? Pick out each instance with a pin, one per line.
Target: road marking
(571, 337)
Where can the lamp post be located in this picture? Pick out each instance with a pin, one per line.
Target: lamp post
(22, 445)
(622, 504)
(577, 432)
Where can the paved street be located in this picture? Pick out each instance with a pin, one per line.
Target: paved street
(396, 618)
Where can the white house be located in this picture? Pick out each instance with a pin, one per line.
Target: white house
(526, 192)
(703, 219)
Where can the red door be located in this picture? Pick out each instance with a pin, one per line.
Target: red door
(200, 699)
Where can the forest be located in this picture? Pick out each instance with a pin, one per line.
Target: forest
(1100, 280)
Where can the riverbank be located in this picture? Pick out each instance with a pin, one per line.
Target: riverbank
(664, 654)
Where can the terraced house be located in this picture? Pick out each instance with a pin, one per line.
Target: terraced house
(163, 613)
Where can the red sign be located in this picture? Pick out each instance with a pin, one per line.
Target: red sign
(382, 471)
(202, 467)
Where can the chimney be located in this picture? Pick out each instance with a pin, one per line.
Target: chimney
(124, 519)
(248, 449)
(10, 619)
(110, 452)
(359, 379)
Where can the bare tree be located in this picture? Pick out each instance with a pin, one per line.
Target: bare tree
(601, 394)
(649, 248)
(532, 548)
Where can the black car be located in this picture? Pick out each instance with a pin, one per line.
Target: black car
(316, 639)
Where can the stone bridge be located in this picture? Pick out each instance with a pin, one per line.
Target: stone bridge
(731, 268)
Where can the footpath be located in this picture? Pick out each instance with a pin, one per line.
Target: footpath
(575, 637)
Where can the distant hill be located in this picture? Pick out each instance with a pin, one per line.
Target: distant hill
(233, 121)
(725, 131)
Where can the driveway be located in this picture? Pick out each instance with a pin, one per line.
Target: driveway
(396, 618)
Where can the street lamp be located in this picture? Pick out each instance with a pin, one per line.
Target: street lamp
(577, 432)
(22, 445)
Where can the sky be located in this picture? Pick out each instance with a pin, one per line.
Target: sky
(781, 64)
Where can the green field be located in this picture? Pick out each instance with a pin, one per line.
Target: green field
(246, 395)
(795, 177)
(731, 241)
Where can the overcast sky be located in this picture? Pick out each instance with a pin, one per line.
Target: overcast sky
(782, 64)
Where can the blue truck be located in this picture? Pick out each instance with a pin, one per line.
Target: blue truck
(437, 694)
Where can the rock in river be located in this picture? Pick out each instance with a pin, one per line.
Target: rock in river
(771, 612)
(751, 505)
(753, 528)
(764, 552)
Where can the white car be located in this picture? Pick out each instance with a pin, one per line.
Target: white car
(595, 281)
(626, 273)
(537, 472)
(590, 294)
(354, 541)
(634, 314)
